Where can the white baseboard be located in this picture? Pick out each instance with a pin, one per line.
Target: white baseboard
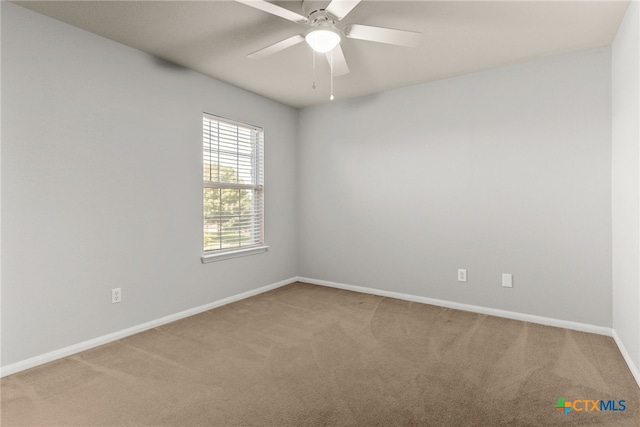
(95, 342)
(635, 371)
(583, 327)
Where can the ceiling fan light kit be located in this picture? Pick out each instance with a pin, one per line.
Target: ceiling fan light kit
(322, 41)
(325, 35)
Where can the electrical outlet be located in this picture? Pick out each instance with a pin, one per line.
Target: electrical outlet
(116, 295)
(462, 275)
(507, 280)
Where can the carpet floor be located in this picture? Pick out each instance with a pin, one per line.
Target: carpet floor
(305, 355)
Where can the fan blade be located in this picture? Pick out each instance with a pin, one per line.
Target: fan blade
(276, 47)
(383, 35)
(340, 67)
(274, 10)
(340, 8)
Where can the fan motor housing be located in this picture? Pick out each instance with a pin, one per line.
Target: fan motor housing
(314, 10)
(320, 18)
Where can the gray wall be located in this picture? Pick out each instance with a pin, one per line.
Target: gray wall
(626, 182)
(503, 171)
(101, 187)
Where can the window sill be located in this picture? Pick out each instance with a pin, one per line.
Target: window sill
(207, 258)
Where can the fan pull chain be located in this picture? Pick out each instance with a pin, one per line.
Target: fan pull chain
(314, 68)
(331, 63)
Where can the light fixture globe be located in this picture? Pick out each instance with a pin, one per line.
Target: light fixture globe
(322, 41)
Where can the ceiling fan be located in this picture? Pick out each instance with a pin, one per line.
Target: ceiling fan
(326, 33)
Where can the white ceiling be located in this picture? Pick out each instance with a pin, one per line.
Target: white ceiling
(459, 37)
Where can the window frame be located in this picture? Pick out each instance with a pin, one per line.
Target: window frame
(257, 160)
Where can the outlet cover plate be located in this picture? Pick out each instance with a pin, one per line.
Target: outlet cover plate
(116, 295)
(507, 280)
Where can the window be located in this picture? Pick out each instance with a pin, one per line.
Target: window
(233, 193)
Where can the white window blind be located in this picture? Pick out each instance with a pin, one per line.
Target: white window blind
(233, 207)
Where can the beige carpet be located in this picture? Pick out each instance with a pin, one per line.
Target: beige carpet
(305, 355)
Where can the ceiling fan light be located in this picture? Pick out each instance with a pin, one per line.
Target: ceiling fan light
(322, 41)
